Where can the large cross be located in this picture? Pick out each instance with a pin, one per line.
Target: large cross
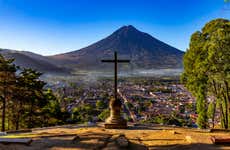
(115, 61)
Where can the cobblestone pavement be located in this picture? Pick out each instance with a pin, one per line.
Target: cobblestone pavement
(98, 138)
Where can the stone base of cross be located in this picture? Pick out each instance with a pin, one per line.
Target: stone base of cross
(115, 120)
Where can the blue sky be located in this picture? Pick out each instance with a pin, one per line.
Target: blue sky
(49, 27)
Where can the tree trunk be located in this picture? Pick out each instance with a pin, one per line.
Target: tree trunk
(227, 97)
(226, 111)
(18, 115)
(8, 120)
(17, 122)
(213, 115)
(4, 105)
(214, 103)
(3, 113)
(30, 125)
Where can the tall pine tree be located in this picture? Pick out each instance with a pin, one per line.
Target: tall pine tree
(7, 82)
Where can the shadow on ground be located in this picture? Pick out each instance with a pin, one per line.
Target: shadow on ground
(86, 141)
(137, 137)
(65, 144)
(196, 146)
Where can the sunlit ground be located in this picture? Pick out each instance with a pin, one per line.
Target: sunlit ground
(141, 137)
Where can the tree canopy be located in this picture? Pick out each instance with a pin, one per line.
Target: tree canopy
(24, 99)
(207, 69)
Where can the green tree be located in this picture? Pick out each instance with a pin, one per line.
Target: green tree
(51, 113)
(83, 113)
(7, 82)
(104, 114)
(24, 100)
(207, 69)
(211, 112)
(34, 96)
(202, 119)
(100, 104)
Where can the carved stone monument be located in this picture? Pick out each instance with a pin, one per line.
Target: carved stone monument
(115, 120)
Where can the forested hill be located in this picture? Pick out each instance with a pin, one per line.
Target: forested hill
(35, 61)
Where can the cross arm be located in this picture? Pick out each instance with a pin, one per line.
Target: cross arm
(123, 61)
(119, 61)
(107, 60)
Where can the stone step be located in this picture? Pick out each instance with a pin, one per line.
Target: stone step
(25, 141)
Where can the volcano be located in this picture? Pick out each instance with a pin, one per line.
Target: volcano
(144, 51)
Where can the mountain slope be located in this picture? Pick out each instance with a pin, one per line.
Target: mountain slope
(145, 52)
(31, 60)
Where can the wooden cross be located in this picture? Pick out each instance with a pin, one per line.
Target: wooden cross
(115, 61)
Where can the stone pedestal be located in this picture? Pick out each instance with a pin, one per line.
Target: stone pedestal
(115, 120)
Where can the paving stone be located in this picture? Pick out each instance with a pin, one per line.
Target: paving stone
(122, 141)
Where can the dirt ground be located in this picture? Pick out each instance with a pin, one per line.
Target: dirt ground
(135, 137)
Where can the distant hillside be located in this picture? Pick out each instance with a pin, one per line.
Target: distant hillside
(32, 60)
(145, 52)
